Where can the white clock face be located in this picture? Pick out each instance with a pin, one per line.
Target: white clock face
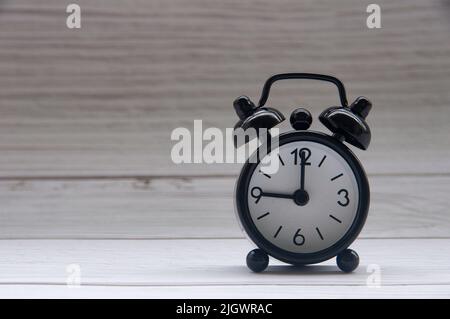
(310, 203)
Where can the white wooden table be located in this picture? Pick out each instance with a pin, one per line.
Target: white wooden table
(86, 180)
(214, 268)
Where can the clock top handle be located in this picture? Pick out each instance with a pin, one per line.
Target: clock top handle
(309, 76)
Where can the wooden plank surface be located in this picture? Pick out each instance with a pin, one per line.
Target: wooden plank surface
(102, 100)
(224, 292)
(85, 123)
(218, 262)
(194, 208)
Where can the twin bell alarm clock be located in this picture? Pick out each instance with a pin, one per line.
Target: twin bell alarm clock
(315, 205)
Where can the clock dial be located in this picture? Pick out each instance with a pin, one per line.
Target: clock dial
(309, 204)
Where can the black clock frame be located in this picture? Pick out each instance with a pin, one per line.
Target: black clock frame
(241, 197)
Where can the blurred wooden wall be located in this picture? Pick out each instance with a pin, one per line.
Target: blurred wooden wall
(86, 115)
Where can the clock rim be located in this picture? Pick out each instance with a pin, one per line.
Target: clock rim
(243, 212)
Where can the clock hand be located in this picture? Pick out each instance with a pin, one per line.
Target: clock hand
(301, 196)
(302, 170)
(277, 195)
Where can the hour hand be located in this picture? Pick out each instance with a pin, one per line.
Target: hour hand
(257, 193)
(268, 194)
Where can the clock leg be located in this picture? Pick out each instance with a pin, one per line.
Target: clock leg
(347, 260)
(257, 260)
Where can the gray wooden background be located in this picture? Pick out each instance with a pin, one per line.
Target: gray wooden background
(86, 115)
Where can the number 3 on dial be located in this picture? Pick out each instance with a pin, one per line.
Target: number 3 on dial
(344, 200)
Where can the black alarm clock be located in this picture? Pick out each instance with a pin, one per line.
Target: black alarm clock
(317, 202)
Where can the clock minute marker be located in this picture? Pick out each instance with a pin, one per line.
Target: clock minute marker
(337, 176)
(266, 175)
(277, 232)
(321, 162)
(263, 215)
(320, 234)
(336, 219)
(281, 160)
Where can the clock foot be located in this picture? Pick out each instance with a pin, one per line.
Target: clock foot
(347, 260)
(257, 260)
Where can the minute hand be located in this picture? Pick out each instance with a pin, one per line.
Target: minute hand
(302, 172)
(302, 169)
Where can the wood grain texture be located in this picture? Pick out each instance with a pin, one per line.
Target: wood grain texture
(102, 101)
(85, 123)
(223, 292)
(219, 262)
(194, 208)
